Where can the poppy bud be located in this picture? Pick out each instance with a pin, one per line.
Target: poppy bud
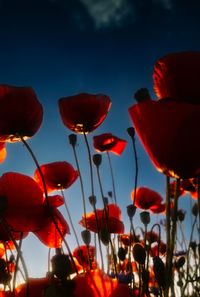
(139, 253)
(180, 262)
(142, 95)
(61, 266)
(97, 159)
(105, 201)
(179, 283)
(131, 209)
(159, 271)
(193, 246)
(122, 253)
(104, 236)
(72, 139)
(131, 131)
(110, 194)
(145, 217)
(86, 236)
(93, 200)
(181, 215)
(195, 210)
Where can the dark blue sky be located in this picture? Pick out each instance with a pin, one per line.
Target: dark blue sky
(63, 47)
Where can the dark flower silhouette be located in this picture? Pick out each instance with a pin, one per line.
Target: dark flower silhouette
(83, 113)
(110, 143)
(57, 175)
(21, 113)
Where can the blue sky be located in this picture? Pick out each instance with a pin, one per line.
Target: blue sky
(64, 47)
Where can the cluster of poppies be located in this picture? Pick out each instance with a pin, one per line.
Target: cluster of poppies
(138, 264)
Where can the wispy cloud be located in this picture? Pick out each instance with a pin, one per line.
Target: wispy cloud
(106, 13)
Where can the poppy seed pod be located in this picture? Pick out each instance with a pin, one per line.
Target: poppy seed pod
(145, 217)
(72, 139)
(131, 132)
(131, 209)
(139, 253)
(181, 215)
(97, 159)
(86, 236)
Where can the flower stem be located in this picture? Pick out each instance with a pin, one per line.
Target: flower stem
(112, 177)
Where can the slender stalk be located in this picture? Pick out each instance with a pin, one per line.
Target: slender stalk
(81, 184)
(168, 232)
(132, 135)
(17, 262)
(107, 222)
(92, 192)
(47, 200)
(112, 177)
(70, 218)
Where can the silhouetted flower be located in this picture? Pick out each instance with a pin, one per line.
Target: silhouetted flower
(107, 142)
(83, 113)
(57, 175)
(21, 113)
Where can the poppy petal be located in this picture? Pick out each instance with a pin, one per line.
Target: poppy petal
(83, 113)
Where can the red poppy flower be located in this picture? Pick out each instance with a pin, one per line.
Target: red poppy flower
(109, 143)
(81, 254)
(57, 175)
(126, 239)
(146, 198)
(21, 113)
(37, 287)
(20, 190)
(48, 233)
(113, 221)
(122, 290)
(100, 284)
(160, 208)
(177, 75)
(83, 113)
(167, 129)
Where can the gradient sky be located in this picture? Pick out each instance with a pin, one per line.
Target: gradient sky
(64, 47)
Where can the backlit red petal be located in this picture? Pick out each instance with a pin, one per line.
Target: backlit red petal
(108, 142)
(176, 75)
(167, 129)
(57, 175)
(84, 112)
(21, 113)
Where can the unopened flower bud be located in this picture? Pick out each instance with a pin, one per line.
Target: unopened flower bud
(93, 200)
(131, 132)
(97, 159)
(181, 215)
(122, 253)
(142, 95)
(86, 236)
(195, 210)
(110, 194)
(61, 266)
(193, 246)
(105, 201)
(159, 271)
(104, 236)
(180, 262)
(131, 209)
(72, 139)
(145, 217)
(139, 253)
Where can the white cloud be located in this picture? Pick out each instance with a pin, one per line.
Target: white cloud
(106, 13)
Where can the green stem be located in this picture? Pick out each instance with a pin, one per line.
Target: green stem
(112, 177)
